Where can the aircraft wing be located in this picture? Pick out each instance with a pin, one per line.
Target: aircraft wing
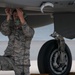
(62, 14)
(32, 9)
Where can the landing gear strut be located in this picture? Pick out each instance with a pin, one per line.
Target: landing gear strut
(55, 57)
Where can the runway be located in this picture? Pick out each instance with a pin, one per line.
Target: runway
(34, 69)
(12, 73)
(49, 74)
(35, 47)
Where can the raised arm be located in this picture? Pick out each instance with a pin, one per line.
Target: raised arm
(5, 29)
(29, 32)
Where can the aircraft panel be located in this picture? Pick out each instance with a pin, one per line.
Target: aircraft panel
(59, 5)
(65, 24)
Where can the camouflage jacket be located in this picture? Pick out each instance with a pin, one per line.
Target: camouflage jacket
(19, 42)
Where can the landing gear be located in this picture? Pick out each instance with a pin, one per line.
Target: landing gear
(55, 57)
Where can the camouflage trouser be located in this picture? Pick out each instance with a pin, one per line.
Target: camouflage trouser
(7, 63)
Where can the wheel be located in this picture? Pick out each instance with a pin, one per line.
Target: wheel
(49, 60)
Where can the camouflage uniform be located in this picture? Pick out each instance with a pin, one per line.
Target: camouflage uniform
(17, 53)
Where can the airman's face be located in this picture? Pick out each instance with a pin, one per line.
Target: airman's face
(15, 15)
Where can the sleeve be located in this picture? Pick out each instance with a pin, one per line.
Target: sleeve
(28, 31)
(5, 29)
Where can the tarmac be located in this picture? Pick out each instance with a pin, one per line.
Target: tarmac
(49, 74)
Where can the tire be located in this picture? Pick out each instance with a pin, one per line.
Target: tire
(46, 59)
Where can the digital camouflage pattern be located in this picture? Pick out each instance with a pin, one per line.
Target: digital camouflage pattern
(17, 52)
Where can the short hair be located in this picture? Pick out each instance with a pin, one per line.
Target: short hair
(14, 11)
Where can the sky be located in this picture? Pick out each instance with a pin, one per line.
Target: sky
(41, 33)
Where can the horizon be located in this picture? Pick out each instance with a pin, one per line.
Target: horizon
(41, 34)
